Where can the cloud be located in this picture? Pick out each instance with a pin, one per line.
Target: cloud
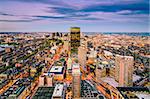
(117, 7)
(35, 10)
(74, 11)
(50, 17)
(25, 12)
(24, 9)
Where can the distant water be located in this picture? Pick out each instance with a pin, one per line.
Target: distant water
(120, 33)
(93, 33)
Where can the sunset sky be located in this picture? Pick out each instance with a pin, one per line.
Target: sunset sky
(60, 15)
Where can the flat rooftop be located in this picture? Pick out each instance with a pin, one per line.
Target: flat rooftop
(142, 95)
(2, 49)
(89, 92)
(110, 81)
(43, 93)
(134, 92)
(58, 91)
(135, 77)
(56, 69)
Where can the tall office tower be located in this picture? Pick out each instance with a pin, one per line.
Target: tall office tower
(82, 56)
(75, 39)
(76, 81)
(124, 70)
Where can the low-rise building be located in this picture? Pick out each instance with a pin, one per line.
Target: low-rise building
(49, 80)
(100, 73)
(89, 92)
(133, 92)
(59, 92)
(42, 80)
(58, 72)
(43, 93)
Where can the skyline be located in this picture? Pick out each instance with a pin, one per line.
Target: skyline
(58, 16)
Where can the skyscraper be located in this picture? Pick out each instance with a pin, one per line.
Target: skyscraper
(124, 70)
(76, 81)
(75, 39)
(82, 56)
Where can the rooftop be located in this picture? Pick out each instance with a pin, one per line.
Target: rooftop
(2, 49)
(43, 93)
(58, 91)
(136, 77)
(4, 46)
(132, 92)
(56, 69)
(141, 95)
(110, 81)
(89, 92)
(127, 57)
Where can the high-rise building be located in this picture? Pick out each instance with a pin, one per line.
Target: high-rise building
(75, 39)
(82, 56)
(124, 70)
(76, 81)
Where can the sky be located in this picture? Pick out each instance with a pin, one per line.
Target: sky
(60, 15)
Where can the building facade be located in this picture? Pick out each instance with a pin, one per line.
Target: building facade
(82, 56)
(42, 80)
(76, 87)
(124, 70)
(100, 72)
(49, 80)
(75, 39)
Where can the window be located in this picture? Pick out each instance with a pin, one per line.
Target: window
(56, 68)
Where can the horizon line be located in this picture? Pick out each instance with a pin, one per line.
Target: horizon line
(80, 31)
